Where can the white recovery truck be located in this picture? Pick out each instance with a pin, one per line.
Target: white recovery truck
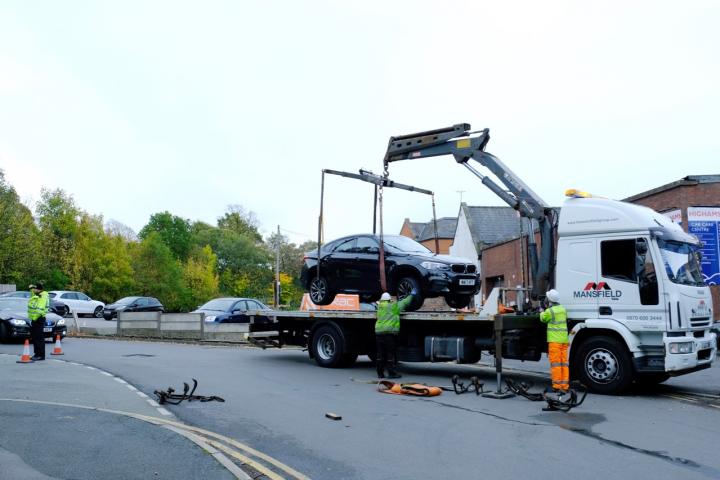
(629, 278)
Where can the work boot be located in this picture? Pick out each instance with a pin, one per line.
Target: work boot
(37, 357)
(381, 374)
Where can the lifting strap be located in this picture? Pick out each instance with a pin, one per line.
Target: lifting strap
(415, 389)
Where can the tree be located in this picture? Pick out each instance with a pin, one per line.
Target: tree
(158, 273)
(58, 218)
(201, 276)
(174, 231)
(115, 228)
(240, 221)
(20, 256)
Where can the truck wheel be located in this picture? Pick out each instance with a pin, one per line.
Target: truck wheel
(604, 365)
(458, 301)
(406, 285)
(320, 293)
(328, 347)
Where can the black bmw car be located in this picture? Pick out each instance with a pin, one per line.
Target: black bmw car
(351, 265)
(132, 304)
(231, 309)
(15, 324)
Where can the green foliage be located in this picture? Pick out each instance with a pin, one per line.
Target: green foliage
(58, 217)
(240, 221)
(201, 276)
(19, 239)
(174, 231)
(158, 273)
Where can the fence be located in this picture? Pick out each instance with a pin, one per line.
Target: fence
(7, 287)
(178, 326)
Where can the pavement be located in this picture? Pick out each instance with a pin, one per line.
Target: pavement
(59, 418)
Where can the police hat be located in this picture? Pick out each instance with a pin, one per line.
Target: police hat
(36, 285)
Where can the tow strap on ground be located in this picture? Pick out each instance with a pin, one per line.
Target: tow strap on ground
(414, 389)
(173, 398)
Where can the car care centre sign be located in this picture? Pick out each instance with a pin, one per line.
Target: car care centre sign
(704, 223)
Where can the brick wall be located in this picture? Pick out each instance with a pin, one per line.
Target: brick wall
(444, 243)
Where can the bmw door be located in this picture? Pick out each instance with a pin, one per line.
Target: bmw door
(367, 257)
(342, 268)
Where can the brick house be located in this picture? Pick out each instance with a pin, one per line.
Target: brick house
(425, 232)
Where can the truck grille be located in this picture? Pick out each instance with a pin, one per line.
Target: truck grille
(700, 322)
(463, 268)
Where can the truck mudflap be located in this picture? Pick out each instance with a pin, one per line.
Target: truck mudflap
(688, 354)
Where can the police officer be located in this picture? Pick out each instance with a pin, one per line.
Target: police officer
(387, 329)
(557, 337)
(38, 306)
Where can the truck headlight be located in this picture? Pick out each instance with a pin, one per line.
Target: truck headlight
(18, 323)
(61, 322)
(681, 347)
(434, 265)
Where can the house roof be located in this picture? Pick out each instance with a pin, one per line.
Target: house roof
(415, 227)
(445, 227)
(490, 225)
(690, 180)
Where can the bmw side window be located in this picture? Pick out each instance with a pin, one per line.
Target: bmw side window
(617, 259)
(346, 247)
(366, 245)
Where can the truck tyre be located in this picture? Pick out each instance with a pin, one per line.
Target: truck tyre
(458, 301)
(320, 292)
(328, 347)
(603, 364)
(406, 285)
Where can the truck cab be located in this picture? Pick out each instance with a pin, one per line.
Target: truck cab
(637, 305)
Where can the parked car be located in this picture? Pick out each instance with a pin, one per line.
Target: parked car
(78, 302)
(351, 265)
(15, 324)
(230, 310)
(57, 307)
(132, 304)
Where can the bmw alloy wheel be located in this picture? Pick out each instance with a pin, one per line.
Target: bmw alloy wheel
(318, 290)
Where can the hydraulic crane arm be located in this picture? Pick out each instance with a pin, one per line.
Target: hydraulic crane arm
(463, 144)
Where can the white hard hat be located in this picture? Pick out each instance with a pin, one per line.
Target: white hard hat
(385, 297)
(553, 295)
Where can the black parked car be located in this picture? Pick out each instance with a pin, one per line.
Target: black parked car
(351, 265)
(230, 310)
(57, 307)
(132, 304)
(15, 324)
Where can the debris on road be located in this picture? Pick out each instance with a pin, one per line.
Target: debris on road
(333, 416)
(173, 398)
(415, 389)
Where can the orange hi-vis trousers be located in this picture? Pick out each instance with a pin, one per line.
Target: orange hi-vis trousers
(559, 366)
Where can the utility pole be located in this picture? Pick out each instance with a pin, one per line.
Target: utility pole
(277, 270)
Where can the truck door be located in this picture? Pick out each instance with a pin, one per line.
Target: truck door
(627, 287)
(576, 275)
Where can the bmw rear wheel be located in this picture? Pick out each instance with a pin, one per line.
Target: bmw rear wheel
(319, 290)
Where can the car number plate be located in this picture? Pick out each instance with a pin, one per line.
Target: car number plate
(467, 281)
(47, 329)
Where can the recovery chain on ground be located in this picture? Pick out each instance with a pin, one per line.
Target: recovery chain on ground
(173, 398)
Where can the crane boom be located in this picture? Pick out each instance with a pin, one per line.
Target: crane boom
(464, 144)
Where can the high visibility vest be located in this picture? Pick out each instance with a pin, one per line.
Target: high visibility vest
(556, 318)
(38, 305)
(388, 315)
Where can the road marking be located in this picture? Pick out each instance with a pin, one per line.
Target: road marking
(153, 402)
(188, 428)
(164, 411)
(107, 374)
(120, 380)
(91, 368)
(131, 387)
(142, 394)
(205, 445)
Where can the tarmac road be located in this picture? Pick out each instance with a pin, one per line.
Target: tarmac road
(276, 402)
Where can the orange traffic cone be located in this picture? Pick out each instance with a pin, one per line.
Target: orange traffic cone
(58, 347)
(25, 358)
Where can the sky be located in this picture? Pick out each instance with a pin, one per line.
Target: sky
(138, 107)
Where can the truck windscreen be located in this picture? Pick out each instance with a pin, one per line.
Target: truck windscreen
(681, 262)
